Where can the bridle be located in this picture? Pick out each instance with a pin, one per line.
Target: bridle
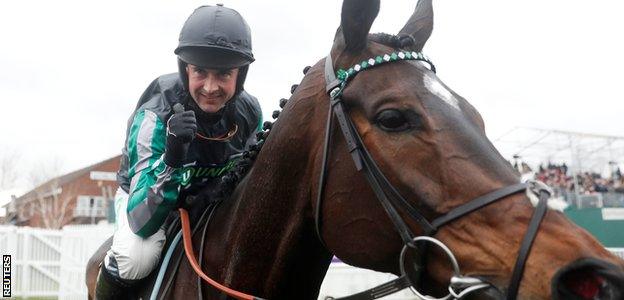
(391, 200)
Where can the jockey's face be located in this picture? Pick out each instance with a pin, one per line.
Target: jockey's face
(211, 88)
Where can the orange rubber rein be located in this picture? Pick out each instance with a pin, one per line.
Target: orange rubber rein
(190, 255)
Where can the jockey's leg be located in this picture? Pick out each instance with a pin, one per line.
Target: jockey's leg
(131, 257)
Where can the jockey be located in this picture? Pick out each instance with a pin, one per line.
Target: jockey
(184, 133)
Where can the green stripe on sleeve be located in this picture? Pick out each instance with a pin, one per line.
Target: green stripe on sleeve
(259, 127)
(132, 142)
(157, 188)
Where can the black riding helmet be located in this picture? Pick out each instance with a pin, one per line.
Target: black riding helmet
(215, 37)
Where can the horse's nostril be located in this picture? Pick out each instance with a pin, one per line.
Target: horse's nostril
(589, 278)
(583, 283)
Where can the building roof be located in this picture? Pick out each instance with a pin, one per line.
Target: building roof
(62, 180)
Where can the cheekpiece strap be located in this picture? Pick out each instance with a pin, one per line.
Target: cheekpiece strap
(331, 82)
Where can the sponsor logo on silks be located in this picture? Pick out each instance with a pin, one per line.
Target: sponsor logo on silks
(191, 173)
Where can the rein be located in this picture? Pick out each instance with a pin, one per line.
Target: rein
(190, 255)
(390, 198)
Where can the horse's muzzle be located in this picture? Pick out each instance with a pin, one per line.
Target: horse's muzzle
(588, 278)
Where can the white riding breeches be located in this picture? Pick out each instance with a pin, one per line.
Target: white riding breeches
(131, 256)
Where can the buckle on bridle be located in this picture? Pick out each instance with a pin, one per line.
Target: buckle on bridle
(461, 286)
(537, 187)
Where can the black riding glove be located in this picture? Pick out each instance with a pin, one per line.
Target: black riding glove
(181, 129)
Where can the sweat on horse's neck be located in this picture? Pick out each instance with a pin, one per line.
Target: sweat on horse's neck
(262, 239)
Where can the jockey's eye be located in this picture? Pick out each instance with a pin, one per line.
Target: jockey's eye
(392, 120)
(198, 70)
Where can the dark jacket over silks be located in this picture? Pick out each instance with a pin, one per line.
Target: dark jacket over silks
(154, 187)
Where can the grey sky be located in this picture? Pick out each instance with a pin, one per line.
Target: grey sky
(72, 71)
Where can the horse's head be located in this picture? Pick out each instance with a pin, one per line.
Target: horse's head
(431, 145)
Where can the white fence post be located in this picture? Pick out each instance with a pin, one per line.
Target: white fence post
(51, 263)
(79, 243)
(25, 262)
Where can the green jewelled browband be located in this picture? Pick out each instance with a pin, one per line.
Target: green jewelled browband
(344, 76)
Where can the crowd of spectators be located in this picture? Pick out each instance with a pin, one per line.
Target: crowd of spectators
(559, 177)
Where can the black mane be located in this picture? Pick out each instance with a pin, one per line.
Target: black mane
(228, 182)
(391, 40)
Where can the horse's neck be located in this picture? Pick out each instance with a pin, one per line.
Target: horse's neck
(269, 246)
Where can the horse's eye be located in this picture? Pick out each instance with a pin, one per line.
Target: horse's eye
(392, 120)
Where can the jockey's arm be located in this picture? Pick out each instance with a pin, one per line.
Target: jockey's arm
(154, 186)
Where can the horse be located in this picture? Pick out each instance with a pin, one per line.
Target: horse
(304, 199)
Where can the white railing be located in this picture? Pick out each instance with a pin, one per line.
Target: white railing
(344, 280)
(51, 263)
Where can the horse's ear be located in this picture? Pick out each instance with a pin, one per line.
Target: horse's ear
(419, 26)
(356, 20)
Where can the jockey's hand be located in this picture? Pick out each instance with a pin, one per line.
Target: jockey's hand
(181, 129)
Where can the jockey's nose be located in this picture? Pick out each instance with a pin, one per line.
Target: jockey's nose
(589, 278)
(211, 83)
